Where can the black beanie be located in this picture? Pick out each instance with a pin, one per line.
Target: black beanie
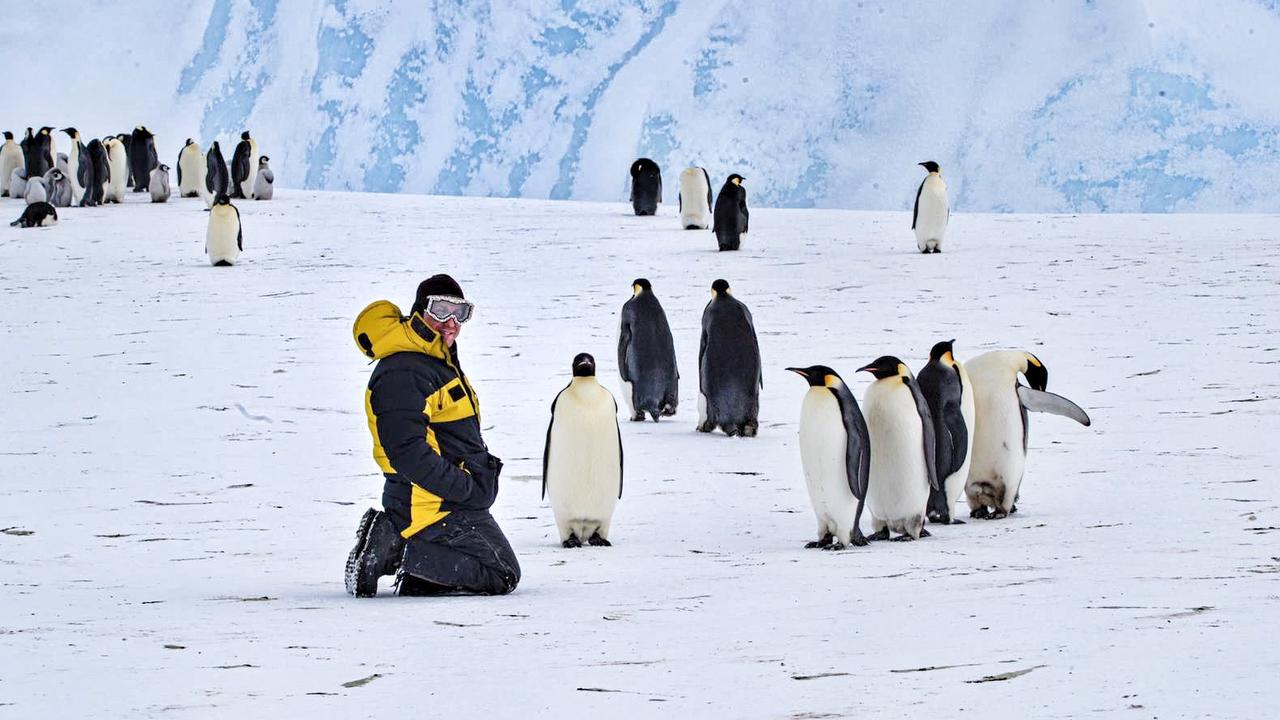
(440, 284)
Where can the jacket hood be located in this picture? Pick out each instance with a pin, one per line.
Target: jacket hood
(381, 330)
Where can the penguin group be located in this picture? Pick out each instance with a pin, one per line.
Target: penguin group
(98, 171)
(916, 445)
(727, 214)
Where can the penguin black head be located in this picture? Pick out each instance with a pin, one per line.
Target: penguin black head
(263, 159)
(8, 135)
(818, 375)
(640, 285)
(244, 135)
(930, 166)
(584, 365)
(46, 130)
(720, 287)
(162, 167)
(222, 199)
(56, 174)
(942, 348)
(188, 142)
(70, 131)
(886, 366)
(736, 179)
(1037, 374)
(214, 146)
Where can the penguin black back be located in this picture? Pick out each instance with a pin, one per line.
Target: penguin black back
(731, 214)
(942, 388)
(217, 180)
(142, 157)
(646, 186)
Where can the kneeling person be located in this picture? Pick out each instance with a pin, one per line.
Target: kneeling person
(435, 531)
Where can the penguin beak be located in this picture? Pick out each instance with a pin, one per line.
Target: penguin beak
(799, 372)
(867, 368)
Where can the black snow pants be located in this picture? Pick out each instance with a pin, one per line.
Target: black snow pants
(465, 552)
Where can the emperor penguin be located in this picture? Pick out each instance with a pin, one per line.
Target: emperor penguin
(929, 218)
(96, 190)
(126, 139)
(36, 215)
(729, 369)
(10, 160)
(142, 157)
(217, 181)
(40, 153)
(191, 170)
(244, 165)
(76, 156)
(835, 452)
(582, 460)
(37, 192)
(224, 240)
(265, 182)
(646, 186)
(902, 451)
(647, 356)
(695, 199)
(731, 213)
(18, 183)
(59, 188)
(118, 170)
(947, 390)
(159, 184)
(1001, 403)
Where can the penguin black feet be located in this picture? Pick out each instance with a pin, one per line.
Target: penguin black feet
(638, 417)
(881, 534)
(572, 542)
(905, 538)
(858, 539)
(667, 410)
(999, 514)
(957, 521)
(940, 518)
(980, 513)
(653, 415)
(823, 542)
(925, 533)
(749, 429)
(596, 541)
(834, 546)
(1013, 509)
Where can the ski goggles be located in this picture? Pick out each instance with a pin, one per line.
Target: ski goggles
(442, 307)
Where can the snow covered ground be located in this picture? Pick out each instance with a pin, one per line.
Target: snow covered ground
(184, 457)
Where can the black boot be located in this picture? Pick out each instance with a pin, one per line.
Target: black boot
(377, 553)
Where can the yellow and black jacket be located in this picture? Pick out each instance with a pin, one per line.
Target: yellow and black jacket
(425, 422)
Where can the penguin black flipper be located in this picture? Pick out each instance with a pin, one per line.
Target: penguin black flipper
(858, 443)
(624, 342)
(915, 212)
(239, 168)
(744, 214)
(84, 170)
(930, 437)
(710, 200)
(755, 340)
(239, 230)
(179, 166)
(1047, 402)
(620, 464)
(546, 449)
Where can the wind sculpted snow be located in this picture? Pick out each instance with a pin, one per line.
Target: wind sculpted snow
(184, 457)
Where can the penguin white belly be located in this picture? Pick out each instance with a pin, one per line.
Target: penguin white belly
(584, 470)
(998, 457)
(694, 211)
(118, 165)
(955, 483)
(931, 216)
(823, 453)
(193, 173)
(10, 160)
(73, 172)
(898, 487)
(246, 188)
(220, 239)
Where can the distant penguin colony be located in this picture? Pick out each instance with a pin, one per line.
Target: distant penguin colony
(731, 214)
(695, 199)
(647, 356)
(582, 460)
(730, 375)
(646, 186)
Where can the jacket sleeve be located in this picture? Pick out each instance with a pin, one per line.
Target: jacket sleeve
(397, 401)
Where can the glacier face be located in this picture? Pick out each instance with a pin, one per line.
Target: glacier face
(1029, 107)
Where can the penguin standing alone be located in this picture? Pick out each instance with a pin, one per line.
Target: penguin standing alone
(224, 239)
(582, 460)
(835, 452)
(647, 355)
(947, 390)
(731, 213)
(646, 186)
(902, 451)
(929, 218)
(216, 180)
(1000, 436)
(142, 157)
(159, 184)
(10, 159)
(117, 169)
(729, 368)
(191, 170)
(265, 182)
(695, 199)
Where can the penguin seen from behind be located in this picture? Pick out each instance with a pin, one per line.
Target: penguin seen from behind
(731, 214)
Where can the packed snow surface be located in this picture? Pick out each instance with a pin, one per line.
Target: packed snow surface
(184, 457)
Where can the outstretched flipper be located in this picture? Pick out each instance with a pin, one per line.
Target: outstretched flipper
(1047, 402)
